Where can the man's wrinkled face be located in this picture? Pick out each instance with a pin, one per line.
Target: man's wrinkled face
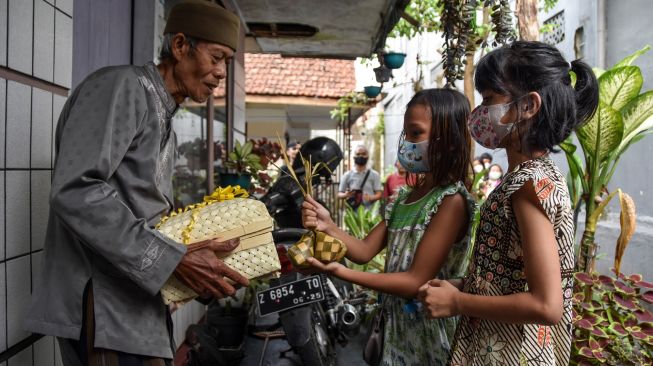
(199, 70)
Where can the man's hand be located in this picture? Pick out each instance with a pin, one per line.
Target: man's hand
(439, 298)
(202, 271)
(315, 216)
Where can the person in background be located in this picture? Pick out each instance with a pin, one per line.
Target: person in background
(477, 165)
(370, 180)
(493, 179)
(515, 304)
(486, 160)
(292, 150)
(394, 182)
(104, 263)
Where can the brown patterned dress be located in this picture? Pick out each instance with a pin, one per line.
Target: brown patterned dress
(497, 269)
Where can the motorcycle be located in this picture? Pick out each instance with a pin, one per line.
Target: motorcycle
(316, 312)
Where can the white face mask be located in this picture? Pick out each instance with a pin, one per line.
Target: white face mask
(478, 168)
(495, 175)
(486, 165)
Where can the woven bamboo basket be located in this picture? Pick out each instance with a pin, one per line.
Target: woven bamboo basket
(247, 219)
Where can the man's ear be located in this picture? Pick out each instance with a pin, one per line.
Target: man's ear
(180, 46)
(530, 105)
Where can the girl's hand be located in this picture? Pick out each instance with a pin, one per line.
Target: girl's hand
(315, 216)
(329, 268)
(439, 298)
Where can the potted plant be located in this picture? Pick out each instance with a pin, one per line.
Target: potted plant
(394, 60)
(372, 91)
(241, 163)
(382, 73)
(270, 153)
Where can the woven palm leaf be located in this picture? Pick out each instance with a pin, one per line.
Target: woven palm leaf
(242, 218)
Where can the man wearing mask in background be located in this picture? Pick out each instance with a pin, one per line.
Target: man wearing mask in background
(360, 185)
(104, 263)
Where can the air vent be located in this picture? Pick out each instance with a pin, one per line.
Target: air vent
(281, 30)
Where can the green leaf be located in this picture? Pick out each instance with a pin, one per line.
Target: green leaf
(598, 72)
(247, 148)
(638, 117)
(628, 60)
(602, 134)
(618, 86)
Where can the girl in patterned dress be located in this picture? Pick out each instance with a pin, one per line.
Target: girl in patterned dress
(426, 229)
(515, 304)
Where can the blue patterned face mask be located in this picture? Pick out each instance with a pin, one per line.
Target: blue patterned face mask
(413, 155)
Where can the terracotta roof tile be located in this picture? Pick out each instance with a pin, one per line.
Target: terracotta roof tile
(271, 74)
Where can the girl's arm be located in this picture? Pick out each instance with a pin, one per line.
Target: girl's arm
(444, 229)
(315, 216)
(541, 304)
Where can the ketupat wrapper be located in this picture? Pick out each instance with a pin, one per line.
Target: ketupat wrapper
(319, 245)
(226, 214)
(314, 243)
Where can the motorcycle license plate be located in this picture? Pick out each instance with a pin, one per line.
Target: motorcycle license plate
(290, 295)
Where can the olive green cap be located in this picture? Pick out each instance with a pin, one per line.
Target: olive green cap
(204, 20)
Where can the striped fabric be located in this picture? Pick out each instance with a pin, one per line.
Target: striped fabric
(497, 269)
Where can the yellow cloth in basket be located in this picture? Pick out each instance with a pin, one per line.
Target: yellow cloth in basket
(243, 218)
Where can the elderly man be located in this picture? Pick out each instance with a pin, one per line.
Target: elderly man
(360, 185)
(104, 264)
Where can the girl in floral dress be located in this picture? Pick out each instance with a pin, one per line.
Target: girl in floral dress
(515, 305)
(426, 230)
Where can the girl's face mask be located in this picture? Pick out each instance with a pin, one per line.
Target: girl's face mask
(478, 168)
(485, 124)
(413, 156)
(494, 175)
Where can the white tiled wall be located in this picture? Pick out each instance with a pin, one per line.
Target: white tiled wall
(44, 351)
(17, 226)
(20, 35)
(24, 358)
(43, 40)
(63, 49)
(3, 32)
(18, 125)
(19, 288)
(35, 40)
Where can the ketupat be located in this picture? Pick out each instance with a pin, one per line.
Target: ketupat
(315, 243)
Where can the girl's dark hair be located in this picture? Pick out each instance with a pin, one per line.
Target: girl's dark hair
(525, 66)
(449, 143)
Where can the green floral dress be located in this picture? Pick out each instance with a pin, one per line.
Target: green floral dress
(410, 337)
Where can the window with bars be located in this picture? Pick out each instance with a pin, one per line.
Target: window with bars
(554, 29)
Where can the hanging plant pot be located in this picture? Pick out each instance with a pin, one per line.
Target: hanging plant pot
(229, 179)
(372, 91)
(394, 60)
(383, 74)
